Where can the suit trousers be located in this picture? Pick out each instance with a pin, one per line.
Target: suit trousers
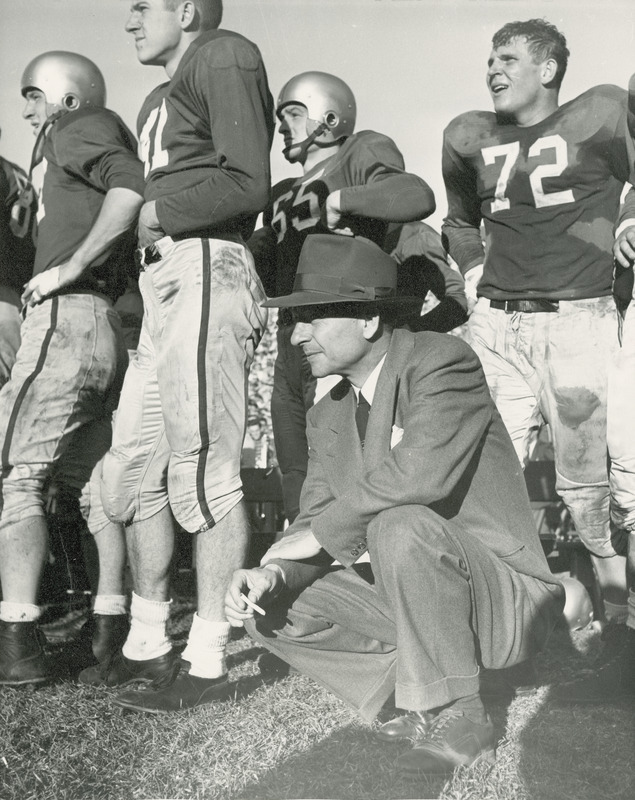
(436, 605)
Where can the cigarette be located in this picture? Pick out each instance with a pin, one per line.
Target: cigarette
(251, 604)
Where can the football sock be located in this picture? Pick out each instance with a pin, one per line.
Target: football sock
(110, 604)
(148, 636)
(206, 648)
(19, 612)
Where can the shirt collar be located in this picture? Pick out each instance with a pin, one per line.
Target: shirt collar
(370, 384)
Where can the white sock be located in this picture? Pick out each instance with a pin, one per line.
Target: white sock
(206, 648)
(110, 604)
(148, 636)
(19, 612)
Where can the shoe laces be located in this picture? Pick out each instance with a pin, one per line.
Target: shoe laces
(435, 730)
(169, 676)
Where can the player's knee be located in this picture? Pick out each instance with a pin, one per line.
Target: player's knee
(117, 493)
(23, 492)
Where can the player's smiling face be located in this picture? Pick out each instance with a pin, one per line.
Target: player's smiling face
(293, 127)
(157, 31)
(37, 110)
(517, 82)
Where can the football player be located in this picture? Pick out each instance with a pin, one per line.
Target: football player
(350, 183)
(545, 180)
(205, 137)
(18, 207)
(56, 408)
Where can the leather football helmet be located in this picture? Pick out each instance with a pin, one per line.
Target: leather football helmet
(67, 80)
(329, 102)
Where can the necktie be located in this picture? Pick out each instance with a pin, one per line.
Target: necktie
(361, 416)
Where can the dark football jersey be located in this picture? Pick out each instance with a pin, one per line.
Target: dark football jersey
(375, 190)
(205, 137)
(548, 196)
(86, 153)
(18, 207)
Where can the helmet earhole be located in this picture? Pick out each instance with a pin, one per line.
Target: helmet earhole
(70, 102)
(331, 119)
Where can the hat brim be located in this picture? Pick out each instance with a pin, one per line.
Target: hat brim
(312, 298)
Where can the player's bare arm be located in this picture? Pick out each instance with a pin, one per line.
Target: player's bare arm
(117, 216)
(150, 229)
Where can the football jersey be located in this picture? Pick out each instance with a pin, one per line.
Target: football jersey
(85, 154)
(375, 190)
(205, 136)
(548, 196)
(18, 207)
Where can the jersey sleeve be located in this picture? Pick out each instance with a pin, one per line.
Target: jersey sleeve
(381, 188)
(461, 227)
(228, 80)
(99, 149)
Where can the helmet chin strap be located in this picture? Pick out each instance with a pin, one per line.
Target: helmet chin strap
(38, 147)
(304, 145)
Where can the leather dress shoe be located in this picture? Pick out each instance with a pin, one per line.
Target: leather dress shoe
(121, 671)
(100, 637)
(184, 692)
(451, 740)
(22, 656)
(407, 726)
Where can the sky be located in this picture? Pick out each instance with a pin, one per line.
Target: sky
(413, 65)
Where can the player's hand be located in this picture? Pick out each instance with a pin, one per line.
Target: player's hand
(472, 279)
(260, 585)
(149, 228)
(624, 247)
(332, 214)
(295, 547)
(50, 281)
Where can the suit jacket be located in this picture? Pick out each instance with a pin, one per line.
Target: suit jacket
(454, 456)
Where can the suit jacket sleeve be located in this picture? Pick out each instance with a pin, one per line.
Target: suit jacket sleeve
(445, 410)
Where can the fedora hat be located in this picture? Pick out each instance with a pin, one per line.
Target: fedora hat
(344, 269)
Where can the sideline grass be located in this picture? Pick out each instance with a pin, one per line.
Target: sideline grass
(292, 739)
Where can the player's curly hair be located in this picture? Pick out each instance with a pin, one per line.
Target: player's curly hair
(210, 12)
(543, 39)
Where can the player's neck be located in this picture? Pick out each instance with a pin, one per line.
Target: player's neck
(538, 111)
(179, 51)
(317, 156)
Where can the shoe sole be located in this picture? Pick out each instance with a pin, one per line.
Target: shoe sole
(221, 692)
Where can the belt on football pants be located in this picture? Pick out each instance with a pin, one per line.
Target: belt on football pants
(537, 306)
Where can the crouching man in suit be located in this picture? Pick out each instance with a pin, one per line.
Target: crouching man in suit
(438, 569)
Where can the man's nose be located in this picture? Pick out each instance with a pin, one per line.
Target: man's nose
(301, 333)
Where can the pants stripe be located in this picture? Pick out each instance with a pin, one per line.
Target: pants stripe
(202, 383)
(15, 412)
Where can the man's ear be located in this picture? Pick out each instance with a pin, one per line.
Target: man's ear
(549, 70)
(189, 14)
(370, 327)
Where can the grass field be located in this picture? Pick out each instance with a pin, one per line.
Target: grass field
(292, 739)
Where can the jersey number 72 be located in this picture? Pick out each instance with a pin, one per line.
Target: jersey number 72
(510, 153)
